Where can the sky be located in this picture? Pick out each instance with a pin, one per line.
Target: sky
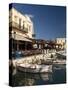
(49, 21)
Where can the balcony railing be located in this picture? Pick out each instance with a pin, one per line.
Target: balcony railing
(17, 26)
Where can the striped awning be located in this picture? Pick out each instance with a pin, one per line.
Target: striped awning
(20, 37)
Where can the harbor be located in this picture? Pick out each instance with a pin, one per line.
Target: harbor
(49, 58)
(28, 74)
(37, 55)
(24, 78)
(30, 79)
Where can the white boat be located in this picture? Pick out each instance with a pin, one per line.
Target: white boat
(61, 62)
(34, 68)
(61, 54)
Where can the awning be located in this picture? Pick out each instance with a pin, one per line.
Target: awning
(20, 37)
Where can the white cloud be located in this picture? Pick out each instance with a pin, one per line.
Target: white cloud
(29, 15)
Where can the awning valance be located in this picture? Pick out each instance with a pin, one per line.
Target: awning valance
(20, 37)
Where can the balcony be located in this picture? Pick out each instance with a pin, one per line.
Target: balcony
(17, 26)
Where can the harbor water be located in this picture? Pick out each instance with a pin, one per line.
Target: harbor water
(58, 76)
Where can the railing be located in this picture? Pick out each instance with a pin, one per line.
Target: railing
(17, 26)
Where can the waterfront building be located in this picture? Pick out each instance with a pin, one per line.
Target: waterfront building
(60, 43)
(21, 30)
(39, 43)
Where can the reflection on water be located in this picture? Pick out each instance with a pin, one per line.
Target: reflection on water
(27, 79)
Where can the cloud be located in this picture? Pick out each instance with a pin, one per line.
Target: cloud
(29, 15)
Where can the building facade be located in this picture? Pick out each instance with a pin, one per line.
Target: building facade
(21, 22)
(21, 31)
(61, 42)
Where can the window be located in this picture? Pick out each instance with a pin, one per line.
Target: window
(20, 23)
(23, 25)
(61, 41)
(29, 28)
(15, 18)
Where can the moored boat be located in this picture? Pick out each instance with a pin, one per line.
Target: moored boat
(34, 68)
(61, 54)
(61, 62)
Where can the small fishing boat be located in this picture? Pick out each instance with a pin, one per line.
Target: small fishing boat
(34, 68)
(61, 54)
(61, 62)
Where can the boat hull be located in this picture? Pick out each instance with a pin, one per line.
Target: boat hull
(43, 69)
